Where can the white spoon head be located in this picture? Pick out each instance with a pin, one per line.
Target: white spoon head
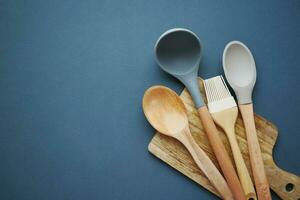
(240, 70)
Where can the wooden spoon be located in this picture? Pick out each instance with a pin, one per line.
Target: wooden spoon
(166, 113)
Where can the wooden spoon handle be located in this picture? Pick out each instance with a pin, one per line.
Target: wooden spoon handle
(257, 165)
(285, 184)
(221, 153)
(206, 165)
(241, 166)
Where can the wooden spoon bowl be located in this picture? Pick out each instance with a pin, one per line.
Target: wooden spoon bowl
(164, 110)
(166, 113)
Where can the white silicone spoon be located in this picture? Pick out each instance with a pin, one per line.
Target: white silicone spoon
(240, 72)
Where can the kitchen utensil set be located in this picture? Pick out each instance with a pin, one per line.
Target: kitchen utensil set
(178, 52)
(285, 184)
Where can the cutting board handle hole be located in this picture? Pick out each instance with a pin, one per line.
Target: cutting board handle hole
(290, 187)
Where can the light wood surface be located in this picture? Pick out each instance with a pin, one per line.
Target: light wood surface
(166, 112)
(222, 156)
(256, 161)
(175, 154)
(205, 164)
(226, 120)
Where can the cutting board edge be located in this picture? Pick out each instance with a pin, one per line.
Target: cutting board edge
(200, 183)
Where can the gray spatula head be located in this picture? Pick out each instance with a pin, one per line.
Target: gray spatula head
(178, 52)
(240, 70)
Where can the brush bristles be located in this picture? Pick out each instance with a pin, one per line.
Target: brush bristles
(216, 89)
(217, 94)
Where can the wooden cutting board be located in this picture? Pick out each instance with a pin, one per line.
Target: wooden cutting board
(285, 184)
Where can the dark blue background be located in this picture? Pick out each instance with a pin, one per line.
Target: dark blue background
(72, 77)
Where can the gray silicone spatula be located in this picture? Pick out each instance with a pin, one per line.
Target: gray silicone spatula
(178, 52)
(240, 72)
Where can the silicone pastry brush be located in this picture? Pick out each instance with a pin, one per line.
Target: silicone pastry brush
(224, 112)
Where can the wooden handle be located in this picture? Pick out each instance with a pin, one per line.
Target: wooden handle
(206, 165)
(285, 184)
(226, 120)
(241, 166)
(221, 153)
(257, 165)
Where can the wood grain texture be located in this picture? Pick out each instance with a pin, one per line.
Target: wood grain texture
(221, 154)
(226, 120)
(257, 165)
(173, 152)
(166, 112)
(205, 164)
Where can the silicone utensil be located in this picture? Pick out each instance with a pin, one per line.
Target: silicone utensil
(240, 72)
(178, 52)
(166, 113)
